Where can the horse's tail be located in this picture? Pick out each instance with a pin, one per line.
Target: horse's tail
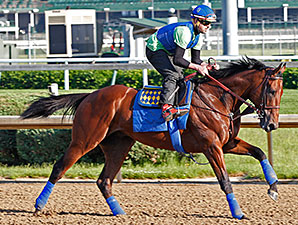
(46, 106)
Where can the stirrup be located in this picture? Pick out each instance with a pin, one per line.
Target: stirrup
(181, 112)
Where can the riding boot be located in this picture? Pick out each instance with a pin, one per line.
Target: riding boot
(169, 112)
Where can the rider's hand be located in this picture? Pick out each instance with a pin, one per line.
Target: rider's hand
(216, 66)
(212, 64)
(202, 69)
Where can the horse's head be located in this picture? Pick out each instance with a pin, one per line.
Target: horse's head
(269, 95)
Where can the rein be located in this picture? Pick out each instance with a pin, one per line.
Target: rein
(233, 94)
(251, 108)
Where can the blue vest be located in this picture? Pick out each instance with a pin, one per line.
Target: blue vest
(166, 36)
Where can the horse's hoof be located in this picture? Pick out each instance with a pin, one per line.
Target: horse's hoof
(273, 194)
(244, 218)
(37, 212)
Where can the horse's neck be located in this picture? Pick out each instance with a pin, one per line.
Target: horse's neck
(241, 84)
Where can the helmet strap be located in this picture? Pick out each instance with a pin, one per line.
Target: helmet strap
(196, 25)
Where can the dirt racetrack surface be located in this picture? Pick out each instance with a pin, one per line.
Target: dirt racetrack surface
(147, 203)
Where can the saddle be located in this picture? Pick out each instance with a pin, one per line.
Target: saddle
(150, 95)
(147, 115)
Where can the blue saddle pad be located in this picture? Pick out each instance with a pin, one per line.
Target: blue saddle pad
(148, 118)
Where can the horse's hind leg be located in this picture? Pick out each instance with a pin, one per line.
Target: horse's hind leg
(72, 154)
(86, 136)
(240, 147)
(115, 148)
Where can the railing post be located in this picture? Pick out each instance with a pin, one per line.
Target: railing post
(295, 49)
(114, 77)
(145, 77)
(263, 36)
(119, 176)
(280, 43)
(270, 147)
(66, 77)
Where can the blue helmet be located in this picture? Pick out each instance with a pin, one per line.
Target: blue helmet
(204, 12)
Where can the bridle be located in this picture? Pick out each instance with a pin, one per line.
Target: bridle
(265, 83)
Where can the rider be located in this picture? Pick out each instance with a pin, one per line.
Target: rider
(165, 50)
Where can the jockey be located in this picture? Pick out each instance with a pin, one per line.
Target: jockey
(165, 50)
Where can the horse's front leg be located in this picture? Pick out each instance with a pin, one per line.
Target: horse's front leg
(240, 147)
(216, 159)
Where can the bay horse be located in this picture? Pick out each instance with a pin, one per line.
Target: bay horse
(104, 118)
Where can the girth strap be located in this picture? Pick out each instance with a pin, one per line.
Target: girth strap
(175, 136)
(176, 141)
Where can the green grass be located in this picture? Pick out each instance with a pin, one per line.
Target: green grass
(14, 102)
(285, 153)
(289, 102)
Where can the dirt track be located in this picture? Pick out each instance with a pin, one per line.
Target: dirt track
(147, 203)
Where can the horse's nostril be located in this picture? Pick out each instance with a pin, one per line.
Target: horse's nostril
(272, 127)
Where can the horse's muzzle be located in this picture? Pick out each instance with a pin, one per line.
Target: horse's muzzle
(269, 126)
(269, 123)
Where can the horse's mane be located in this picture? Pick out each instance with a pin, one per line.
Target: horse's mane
(232, 68)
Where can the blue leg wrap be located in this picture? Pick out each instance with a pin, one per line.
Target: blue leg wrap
(234, 206)
(114, 206)
(42, 199)
(269, 173)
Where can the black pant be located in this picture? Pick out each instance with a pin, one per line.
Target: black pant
(163, 63)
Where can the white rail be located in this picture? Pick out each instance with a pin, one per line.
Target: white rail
(223, 58)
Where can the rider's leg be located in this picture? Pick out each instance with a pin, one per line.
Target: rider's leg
(171, 74)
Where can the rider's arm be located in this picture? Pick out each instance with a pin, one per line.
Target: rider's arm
(196, 62)
(180, 61)
(196, 56)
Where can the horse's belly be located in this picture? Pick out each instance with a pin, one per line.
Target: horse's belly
(162, 140)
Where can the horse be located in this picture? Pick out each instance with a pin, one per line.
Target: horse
(104, 118)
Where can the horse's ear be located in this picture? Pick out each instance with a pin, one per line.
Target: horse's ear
(284, 65)
(280, 69)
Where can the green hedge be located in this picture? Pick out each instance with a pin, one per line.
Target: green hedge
(8, 147)
(78, 79)
(21, 147)
(291, 78)
(41, 79)
(96, 79)
(37, 146)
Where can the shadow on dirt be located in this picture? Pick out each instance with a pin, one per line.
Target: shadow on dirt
(14, 211)
(83, 214)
